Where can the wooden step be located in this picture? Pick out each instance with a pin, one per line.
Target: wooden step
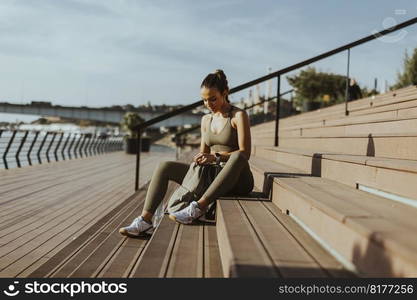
(406, 126)
(404, 108)
(256, 240)
(374, 234)
(264, 170)
(397, 147)
(361, 106)
(389, 175)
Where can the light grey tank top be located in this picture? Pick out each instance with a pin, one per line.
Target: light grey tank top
(225, 140)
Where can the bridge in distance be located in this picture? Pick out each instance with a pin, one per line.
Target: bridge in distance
(109, 115)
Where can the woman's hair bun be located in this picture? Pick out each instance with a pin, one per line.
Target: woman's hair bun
(220, 73)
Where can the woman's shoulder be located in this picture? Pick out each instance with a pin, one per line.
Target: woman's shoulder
(237, 112)
(204, 120)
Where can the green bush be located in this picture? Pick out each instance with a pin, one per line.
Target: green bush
(129, 122)
(409, 74)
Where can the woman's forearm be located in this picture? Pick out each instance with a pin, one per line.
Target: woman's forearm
(224, 156)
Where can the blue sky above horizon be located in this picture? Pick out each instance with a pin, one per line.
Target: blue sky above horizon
(102, 53)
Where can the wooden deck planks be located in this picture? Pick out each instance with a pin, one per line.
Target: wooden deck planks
(36, 224)
(64, 249)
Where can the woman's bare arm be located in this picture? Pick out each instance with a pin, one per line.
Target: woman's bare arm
(203, 147)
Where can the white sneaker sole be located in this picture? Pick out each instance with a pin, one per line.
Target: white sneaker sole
(124, 232)
(173, 218)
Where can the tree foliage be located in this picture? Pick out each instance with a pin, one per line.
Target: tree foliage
(409, 74)
(311, 85)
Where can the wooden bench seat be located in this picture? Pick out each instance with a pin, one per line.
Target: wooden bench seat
(373, 172)
(257, 240)
(399, 146)
(375, 234)
(361, 106)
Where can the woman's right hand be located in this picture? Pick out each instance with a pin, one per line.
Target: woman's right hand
(198, 157)
(203, 158)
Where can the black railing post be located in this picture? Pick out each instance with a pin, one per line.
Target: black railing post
(84, 135)
(65, 145)
(41, 146)
(88, 138)
(77, 144)
(277, 110)
(70, 147)
(92, 138)
(20, 148)
(98, 144)
(138, 149)
(31, 147)
(57, 146)
(50, 146)
(347, 83)
(93, 145)
(8, 148)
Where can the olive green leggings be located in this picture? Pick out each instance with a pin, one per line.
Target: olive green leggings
(234, 179)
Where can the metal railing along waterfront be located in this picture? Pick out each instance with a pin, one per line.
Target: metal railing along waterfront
(25, 148)
(277, 74)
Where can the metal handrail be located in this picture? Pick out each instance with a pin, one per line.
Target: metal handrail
(50, 146)
(269, 99)
(277, 74)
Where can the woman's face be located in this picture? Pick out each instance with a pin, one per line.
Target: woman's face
(213, 99)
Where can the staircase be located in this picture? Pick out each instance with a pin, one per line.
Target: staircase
(348, 183)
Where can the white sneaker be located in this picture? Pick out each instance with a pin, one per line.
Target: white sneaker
(139, 227)
(187, 215)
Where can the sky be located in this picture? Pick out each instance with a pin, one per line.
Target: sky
(114, 52)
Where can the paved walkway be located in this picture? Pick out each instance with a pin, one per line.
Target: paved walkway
(45, 207)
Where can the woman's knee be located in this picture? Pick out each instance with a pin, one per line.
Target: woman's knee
(164, 168)
(165, 165)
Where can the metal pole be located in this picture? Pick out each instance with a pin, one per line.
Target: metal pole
(31, 147)
(77, 144)
(98, 144)
(101, 145)
(138, 149)
(20, 149)
(7, 149)
(65, 145)
(50, 146)
(41, 146)
(347, 84)
(72, 143)
(57, 146)
(82, 144)
(87, 144)
(92, 138)
(277, 110)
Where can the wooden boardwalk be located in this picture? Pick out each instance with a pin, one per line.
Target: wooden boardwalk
(46, 207)
(174, 250)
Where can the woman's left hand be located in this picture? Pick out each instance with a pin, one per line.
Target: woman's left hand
(205, 158)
